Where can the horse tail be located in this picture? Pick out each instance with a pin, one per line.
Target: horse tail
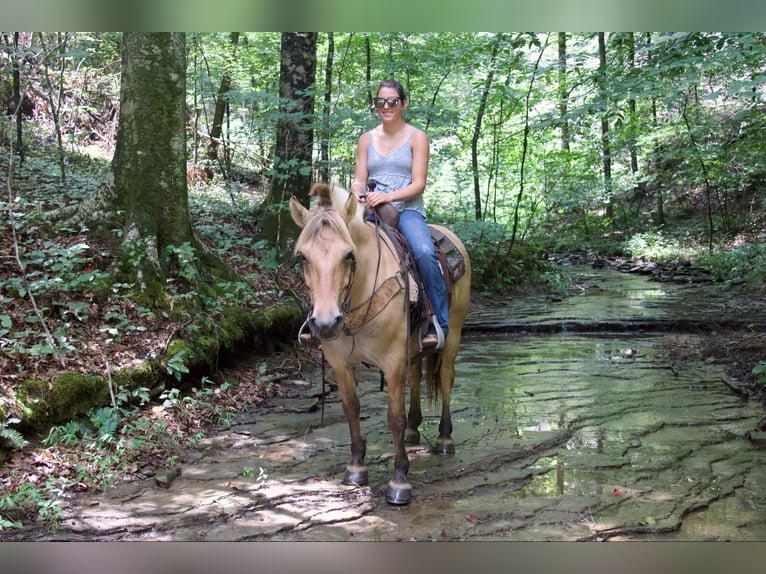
(433, 375)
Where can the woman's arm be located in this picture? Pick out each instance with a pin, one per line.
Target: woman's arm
(359, 185)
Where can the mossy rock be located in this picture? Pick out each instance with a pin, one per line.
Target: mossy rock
(32, 398)
(69, 395)
(145, 375)
(74, 394)
(233, 330)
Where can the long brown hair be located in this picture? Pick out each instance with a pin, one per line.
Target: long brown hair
(391, 83)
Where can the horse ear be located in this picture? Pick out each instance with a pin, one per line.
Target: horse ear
(299, 213)
(349, 208)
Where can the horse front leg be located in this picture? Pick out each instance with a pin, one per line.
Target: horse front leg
(414, 415)
(399, 489)
(356, 471)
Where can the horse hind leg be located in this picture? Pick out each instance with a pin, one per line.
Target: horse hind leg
(445, 445)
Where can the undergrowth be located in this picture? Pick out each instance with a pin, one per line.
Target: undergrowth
(65, 308)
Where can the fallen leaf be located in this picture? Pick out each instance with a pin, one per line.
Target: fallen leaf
(617, 492)
(472, 518)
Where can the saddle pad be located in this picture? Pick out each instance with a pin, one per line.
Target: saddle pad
(452, 256)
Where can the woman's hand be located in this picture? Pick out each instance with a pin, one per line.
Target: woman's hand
(375, 198)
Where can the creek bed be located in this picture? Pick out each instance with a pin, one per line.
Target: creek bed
(591, 418)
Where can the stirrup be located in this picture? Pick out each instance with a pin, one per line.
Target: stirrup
(439, 336)
(439, 333)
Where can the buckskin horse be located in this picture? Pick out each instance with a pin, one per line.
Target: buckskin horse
(360, 314)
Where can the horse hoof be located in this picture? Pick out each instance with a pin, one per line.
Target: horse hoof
(398, 494)
(411, 436)
(444, 446)
(355, 476)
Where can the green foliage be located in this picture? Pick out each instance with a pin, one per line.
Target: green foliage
(110, 439)
(11, 438)
(498, 266)
(746, 262)
(760, 373)
(176, 364)
(658, 246)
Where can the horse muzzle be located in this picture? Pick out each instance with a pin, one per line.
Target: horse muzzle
(329, 328)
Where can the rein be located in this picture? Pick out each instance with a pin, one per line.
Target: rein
(358, 324)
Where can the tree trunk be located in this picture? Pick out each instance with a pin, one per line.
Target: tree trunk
(659, 217)
(563, 91)
(524, 149)
(295, 138)
(477, 132)
(368, 70)
(324, 169)
(56, 103)
(149, 164)
(605, 151)
(632, 109)
(17, 97)
(221, 105)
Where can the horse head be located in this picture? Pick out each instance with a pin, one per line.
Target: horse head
(329, 256)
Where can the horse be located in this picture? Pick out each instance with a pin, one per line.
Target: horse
(360, 314)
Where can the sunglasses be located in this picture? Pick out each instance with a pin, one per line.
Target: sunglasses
(381, 102)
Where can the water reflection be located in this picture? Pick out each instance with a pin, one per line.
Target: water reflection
(643, 430)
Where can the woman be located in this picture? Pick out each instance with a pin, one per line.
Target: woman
(394, 155)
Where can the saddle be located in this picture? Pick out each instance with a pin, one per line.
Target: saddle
(450, 258)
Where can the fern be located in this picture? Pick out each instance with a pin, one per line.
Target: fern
(11, 438)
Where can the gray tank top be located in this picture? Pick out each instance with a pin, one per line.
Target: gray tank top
(393, 171)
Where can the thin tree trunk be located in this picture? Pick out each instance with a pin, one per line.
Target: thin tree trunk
(705, 173)
(368, 70)
(605, 151)
(659, 218)
(324, 170)
(632, 108)
(563, 91)
(477, 132)
(57, 102)
(17, 97)
(524, 148)
(221, 105)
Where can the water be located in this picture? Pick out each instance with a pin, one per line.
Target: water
(655, 449)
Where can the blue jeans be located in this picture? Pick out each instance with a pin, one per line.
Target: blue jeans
(413, 226)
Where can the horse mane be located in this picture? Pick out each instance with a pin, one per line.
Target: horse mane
(333, 196)
(329, 201)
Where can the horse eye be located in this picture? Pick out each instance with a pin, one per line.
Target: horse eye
(350, 257)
